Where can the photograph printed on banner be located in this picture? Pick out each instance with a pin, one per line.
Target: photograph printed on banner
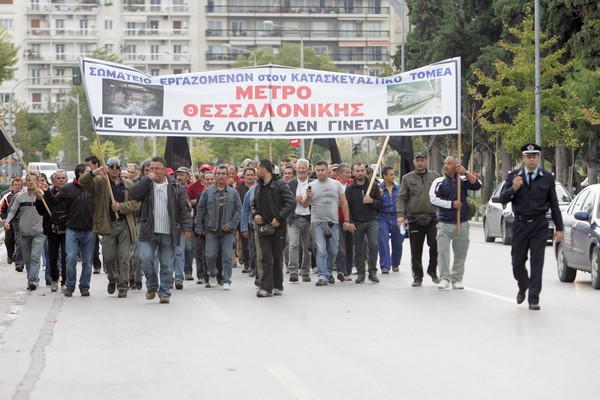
(124, 98)
(422, 97)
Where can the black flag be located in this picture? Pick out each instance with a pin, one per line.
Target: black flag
(403, 145)
(6, 148)
(177, 151)
(331, 145)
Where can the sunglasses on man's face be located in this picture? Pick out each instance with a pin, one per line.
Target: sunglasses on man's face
(114, 167)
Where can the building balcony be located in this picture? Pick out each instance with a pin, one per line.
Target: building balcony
(89, 6)
(308, 34)
(286, 10)
(53, 33)
(135, 7)
(150, 33)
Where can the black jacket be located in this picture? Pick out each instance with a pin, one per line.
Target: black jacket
(180, 210)
(79, 204)
(533, 201)
(274, 200)
(360, 212)
(59, 214)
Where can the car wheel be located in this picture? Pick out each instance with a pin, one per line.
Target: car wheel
(504, 233)
(486, 232)
(565, 273)
(595, 268)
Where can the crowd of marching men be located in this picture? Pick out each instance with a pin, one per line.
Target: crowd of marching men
(317, 221)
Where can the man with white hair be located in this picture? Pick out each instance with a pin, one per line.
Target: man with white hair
(299, 225)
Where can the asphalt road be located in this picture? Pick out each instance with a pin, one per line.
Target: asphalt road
(346, 341)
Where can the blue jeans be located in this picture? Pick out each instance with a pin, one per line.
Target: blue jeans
(327, 248)
(166, 254)
(389, 228)
(180, 259)
(224, 245)
(32, 246)
(75, 241)
(46, 258)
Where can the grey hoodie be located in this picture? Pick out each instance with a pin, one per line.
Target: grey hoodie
(30, 221)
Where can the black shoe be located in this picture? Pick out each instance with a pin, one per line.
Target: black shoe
(294, 277)
(111, 288)
(85, 292)
(19, 268)
(69, 292)
(48, 283)
(189, 277)
(96, 270)
(385, 271)
(32, 285)
(9, 260)
(341, 277)
(520, 296)
(200, 281)
(331, 280)
(434, 277)
(246, 270)
(252, 273)
(138, 285)
(122, 293)
(360, 279)
(305, 278)
(263, 293)
(396, 269)
(534, 306)
(321, 282)
(417, 282)
(178, 285)
(373, 278)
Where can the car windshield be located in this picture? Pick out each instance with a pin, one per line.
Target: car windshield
(562, 194)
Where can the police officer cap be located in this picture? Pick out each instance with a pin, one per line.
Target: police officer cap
(531, 148)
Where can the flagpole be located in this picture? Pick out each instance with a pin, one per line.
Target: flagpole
(193, 177)
(385, 143)
(12, 144)
(110, 192)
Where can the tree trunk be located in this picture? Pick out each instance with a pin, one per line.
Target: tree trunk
(489, 173)
(435, 161)
(561, 162)
(592, 158)
(507, 163)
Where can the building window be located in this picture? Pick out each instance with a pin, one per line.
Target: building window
(130, 51)
(374, 29)
(130, 30)
(238, 28)
(59, 25)
(177, 71)
(60, 51)
(36, 101)
(153, 27)
(215, 28)
(108, 24)
(154, 50)
(320, 50)
(154, 5)
(35, 5)
(7, 23)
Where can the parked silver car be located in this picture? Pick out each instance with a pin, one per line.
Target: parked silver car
(498, 218)
(580, 248)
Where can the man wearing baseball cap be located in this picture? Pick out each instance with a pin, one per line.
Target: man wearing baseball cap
(531, 190)
(413, 205)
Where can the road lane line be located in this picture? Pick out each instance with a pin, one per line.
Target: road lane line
(211, 308)
(495, 296)
(292, 382)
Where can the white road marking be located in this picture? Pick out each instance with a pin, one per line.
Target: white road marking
(495, 296)
(292, 382)
(211, 308)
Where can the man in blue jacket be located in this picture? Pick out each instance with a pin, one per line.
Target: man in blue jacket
(217, 216)
(443, 194)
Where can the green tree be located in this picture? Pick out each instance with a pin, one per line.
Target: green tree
(9, 55)
(508, 99)
(288, 55)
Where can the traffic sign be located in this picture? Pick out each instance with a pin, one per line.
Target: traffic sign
(11, 130)
(10, 118)
(295, 142)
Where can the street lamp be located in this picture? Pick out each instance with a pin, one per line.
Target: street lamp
(273, 24)
(227, 45)
(76, 100)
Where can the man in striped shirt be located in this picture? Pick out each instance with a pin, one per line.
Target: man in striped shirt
(164, 214)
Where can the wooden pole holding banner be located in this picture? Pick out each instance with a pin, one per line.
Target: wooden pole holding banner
(310, 149)
(110, 192)
(458, 185)
(24, 164)
(381, 153)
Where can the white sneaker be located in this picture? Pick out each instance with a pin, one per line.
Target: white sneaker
(444, 284)
(226, 286)
(458, 285)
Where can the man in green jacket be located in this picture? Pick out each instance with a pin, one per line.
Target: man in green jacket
(115, 221)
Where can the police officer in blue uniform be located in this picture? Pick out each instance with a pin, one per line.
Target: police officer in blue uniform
(531, 190)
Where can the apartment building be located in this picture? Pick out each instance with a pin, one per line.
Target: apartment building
(164, 37)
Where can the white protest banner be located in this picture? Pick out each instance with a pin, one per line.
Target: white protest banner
(273, 102)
